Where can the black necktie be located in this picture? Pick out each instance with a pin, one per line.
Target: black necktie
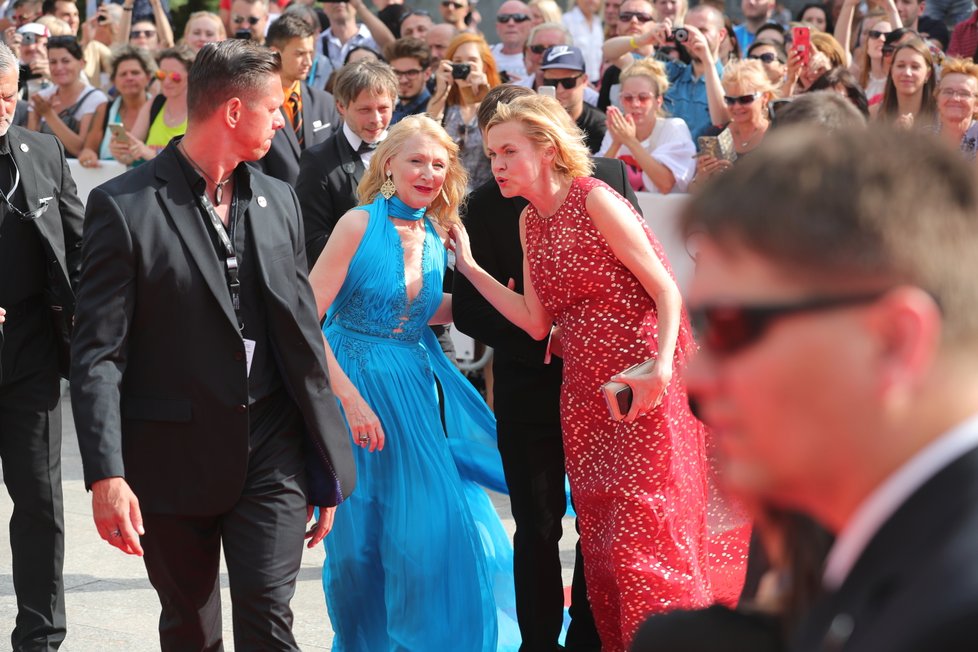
(296, 105)
(366, 147)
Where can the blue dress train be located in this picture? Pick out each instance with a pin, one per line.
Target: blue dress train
(417, 559)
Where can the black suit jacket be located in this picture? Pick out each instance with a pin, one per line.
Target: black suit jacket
(915, 586)
(159, 384)
(52, 199)
(327, 187)
(526, 390)
(319, 119)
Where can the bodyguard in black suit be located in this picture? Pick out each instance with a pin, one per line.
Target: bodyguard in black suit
(310, 114)
(330, 172)
(844, 383)
(204, 411)
(526, 400)
(40, 237)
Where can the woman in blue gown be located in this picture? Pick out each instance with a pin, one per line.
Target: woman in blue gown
(417, 559)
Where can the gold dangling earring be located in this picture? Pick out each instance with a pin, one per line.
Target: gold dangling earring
(388, 189)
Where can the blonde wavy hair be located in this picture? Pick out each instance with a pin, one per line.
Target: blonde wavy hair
(549, 9)
(750, 74)
(652, 70)
(444, 209)
(547, 124)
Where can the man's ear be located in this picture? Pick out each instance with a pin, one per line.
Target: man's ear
(232, 111)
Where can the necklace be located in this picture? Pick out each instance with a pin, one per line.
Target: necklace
(218, 185)
(747, 142)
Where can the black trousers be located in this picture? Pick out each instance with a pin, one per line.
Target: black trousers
(533, 461)
(262, 537)
(30, 449)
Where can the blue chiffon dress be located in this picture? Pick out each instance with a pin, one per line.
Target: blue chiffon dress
(417, 559)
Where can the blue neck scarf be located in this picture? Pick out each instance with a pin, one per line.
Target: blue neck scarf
(398, 209)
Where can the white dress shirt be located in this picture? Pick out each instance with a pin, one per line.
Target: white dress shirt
(355, 142)
(590, 38)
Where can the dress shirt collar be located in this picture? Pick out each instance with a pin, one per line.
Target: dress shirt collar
(355, 142)
(887, 498)
(296, 87)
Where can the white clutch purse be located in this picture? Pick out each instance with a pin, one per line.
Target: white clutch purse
(618, 395)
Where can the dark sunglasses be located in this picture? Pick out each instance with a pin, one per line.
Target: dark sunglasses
(727, 329)
(566, 82)
(767, 58)
(628, 16)
(516, 18)
(897, 34)
(251, 20)
(742, 100)
(454, 5)
(142, 33)
(875, 34)
(537, 49)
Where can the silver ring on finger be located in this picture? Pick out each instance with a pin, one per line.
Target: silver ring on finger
(363, 439)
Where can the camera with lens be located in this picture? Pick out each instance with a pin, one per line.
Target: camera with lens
(680, 35)
(243, 34)
(461, 70)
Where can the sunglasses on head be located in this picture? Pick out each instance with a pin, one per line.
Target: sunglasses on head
(251, 20)
(453, 5)
(564, 82)
(516, 18)
(162, 75)
(628, 16)
(767, 57)
(414, 12)
(743, 100)
(727, 329)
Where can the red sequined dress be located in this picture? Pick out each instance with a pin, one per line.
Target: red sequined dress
(640, 489)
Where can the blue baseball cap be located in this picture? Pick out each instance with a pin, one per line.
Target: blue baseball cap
(563, 57)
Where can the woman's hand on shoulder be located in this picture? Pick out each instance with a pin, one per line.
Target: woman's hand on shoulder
(458, 243)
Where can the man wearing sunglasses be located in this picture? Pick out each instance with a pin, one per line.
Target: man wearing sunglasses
(839, 370)
(249, 18)
(513, 27)
(40, 257)
(455, 13)
(346, 33)
(563, 68)
(687, 96)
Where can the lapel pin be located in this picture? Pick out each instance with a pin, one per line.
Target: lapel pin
(262, 201)
(24, 147)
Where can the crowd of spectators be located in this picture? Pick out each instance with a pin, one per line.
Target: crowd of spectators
(695, 77)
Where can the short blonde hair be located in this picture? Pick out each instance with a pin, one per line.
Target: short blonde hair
(56, 26)
(955, 66)
(444, 209)
(652, 70)
(749, 73)
(547, 124)
(549, 9)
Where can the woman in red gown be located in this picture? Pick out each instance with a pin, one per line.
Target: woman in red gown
(597, 273)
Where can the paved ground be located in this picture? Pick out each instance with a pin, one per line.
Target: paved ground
(110, 603)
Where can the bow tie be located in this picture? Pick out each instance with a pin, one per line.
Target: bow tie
(366, 147)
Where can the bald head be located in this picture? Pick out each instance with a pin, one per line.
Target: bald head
(438, 38)
(513, 25)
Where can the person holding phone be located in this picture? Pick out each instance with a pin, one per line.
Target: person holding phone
(596, 270)
(132, 71)
(463, 78)
(162, 119)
